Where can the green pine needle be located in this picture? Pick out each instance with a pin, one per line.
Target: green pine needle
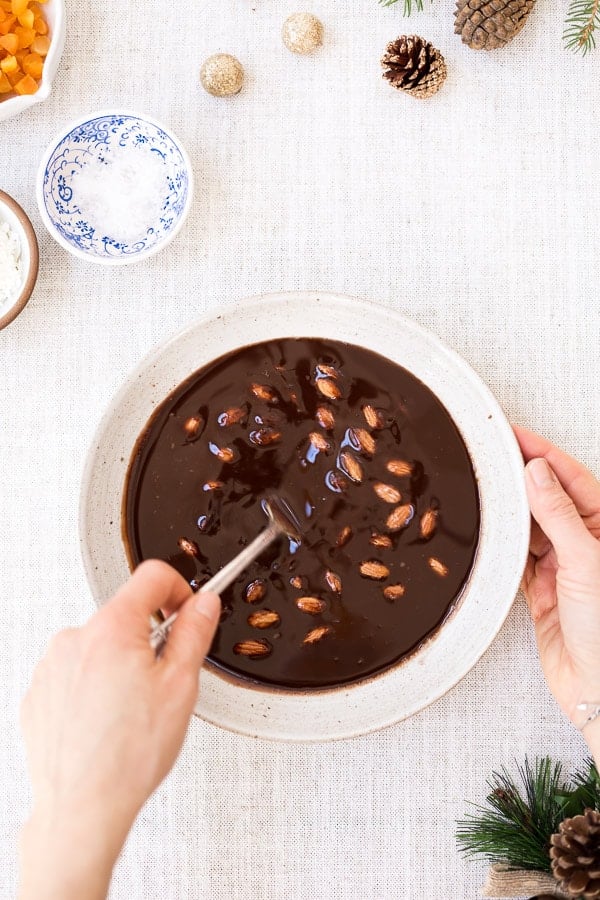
(408, 5)
(583, 18)
(515, 825)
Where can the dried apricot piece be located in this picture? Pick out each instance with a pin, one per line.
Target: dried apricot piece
(10, 43)
(9, 64)
(27, 85)
(33, 65)
(26, 36)
(40, 44)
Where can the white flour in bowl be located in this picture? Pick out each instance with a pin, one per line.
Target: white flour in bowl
(10, 266)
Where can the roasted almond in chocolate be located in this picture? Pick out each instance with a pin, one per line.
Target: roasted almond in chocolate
(374, 469)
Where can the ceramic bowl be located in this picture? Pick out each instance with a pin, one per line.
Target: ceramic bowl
(54, 13)
(19, 223)
(441, 662)
(115, 187)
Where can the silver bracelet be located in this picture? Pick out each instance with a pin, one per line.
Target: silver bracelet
(593, 710)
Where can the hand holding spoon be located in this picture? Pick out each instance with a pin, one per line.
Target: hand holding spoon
(282, 521)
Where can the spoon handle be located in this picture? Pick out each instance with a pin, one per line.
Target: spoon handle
(220, 581)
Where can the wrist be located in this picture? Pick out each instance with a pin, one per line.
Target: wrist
(68, 854)
(591, 734)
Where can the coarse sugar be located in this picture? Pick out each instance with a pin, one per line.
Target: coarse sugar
(11, 274)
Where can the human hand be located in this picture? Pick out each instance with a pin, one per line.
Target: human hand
(562, 577)
(103, 723)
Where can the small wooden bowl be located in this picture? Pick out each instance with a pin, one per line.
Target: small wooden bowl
(18, 220)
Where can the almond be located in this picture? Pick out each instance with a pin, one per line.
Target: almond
(437, 566)
(399, 517)
(344, 536)
(205, 523)
(373, 417)
(225, 454)
(252, 649)
(351, 466)
(316, 634)
(192, 426)
(394, 591)
(263, 618)
(232, 416)
(212, 485)
(428, 523)
(255, 591)
(318, 441)
(399, 467)
(381, 540)
(311, 605)
(372, 568)
(327, 371)
(189, 547)
(263, 437)
(297, 581)
(334, 582)
(325, 418)
(264, 392)
(387, 492)
(337, 482)
(328, 388)
(363, 440)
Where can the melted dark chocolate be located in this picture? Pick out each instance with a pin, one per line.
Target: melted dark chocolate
(168, 499)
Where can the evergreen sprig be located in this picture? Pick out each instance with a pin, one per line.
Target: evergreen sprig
(516, 824)
(583, 20)
(408, 5)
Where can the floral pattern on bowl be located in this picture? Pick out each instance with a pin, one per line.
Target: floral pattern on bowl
(103, 141)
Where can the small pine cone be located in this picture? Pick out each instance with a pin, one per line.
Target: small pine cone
(489, 24)
(575, 855)
(414, 65)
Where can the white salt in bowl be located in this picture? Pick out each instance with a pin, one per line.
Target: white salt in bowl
(115, 187)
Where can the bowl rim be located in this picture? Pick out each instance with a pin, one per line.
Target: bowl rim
(60, 136)
(259, 696)
(34, 259)
(12, 106)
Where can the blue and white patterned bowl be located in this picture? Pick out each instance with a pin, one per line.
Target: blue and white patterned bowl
(114, 188)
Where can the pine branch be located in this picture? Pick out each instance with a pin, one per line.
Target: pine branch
(408, 5)
(583, 18)
(515, 825)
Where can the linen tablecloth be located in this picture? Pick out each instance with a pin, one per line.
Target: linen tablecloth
(476, 214)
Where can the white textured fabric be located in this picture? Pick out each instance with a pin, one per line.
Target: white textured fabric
(476, 213)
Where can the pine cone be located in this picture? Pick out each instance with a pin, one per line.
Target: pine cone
(575, 855)
(489, 24)
(414, 65)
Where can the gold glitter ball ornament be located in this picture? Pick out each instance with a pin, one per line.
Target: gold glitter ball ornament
(222, 75)
(302, 33)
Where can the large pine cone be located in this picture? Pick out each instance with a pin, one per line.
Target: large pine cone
(575, 855)
(413, 65)
(489, 24)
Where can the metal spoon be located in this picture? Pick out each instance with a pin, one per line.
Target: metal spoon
(282, 521)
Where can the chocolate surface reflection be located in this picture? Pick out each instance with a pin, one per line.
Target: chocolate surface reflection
(376, 473)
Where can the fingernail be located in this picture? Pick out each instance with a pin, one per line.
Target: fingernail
(541, 473)
(208, 605)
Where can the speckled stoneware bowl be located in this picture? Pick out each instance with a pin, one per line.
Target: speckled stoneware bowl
(407, 687)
